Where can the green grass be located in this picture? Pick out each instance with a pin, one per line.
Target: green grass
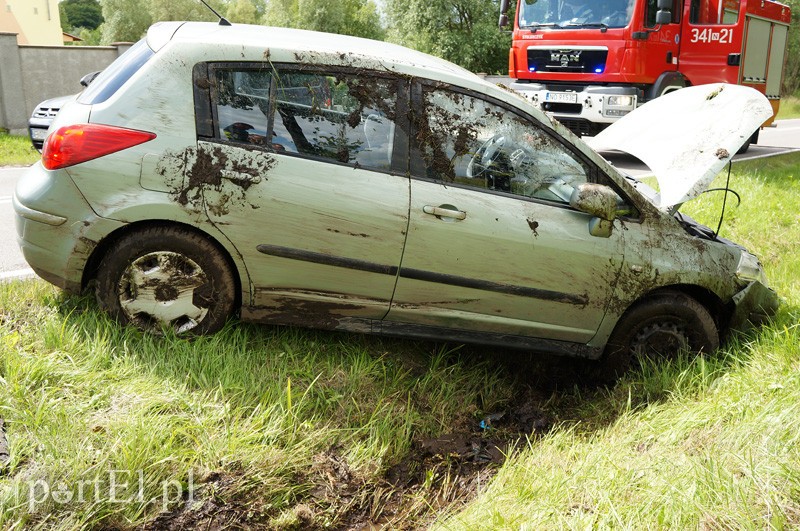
(17, 151)
(280, 428)
(267, 415)
(703, 443)
(790, 108)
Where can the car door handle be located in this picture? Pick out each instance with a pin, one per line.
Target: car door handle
(442, 212)
(240, 177)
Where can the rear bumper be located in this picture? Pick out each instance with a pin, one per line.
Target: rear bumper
(57, 231)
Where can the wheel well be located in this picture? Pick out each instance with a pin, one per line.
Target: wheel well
(720, 312)
(92, 264)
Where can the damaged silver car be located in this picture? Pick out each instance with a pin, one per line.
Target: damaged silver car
(320, 180)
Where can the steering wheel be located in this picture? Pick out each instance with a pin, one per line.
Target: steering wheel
(485, 156)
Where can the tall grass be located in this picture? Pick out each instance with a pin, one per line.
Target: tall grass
(702, 443)
(251, 407)
(790, 108)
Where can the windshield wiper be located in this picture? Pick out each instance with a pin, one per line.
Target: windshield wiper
(536, 25)
(603, 27)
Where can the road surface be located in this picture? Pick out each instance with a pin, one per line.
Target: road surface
(773, 140)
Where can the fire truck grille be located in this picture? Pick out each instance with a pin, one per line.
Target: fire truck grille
(566, 60)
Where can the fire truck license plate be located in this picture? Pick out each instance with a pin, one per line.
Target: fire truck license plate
(561, 97)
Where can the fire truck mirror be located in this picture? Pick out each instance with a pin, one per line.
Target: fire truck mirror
(664, 5)
(664, 16)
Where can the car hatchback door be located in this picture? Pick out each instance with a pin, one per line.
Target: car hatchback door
(494, 246)
(307, 181)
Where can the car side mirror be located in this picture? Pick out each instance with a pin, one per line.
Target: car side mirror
(88, 78)
(598, 201)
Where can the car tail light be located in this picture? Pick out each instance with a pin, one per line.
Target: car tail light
(74, 144)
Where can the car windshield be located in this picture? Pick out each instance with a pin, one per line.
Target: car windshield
(575, 13)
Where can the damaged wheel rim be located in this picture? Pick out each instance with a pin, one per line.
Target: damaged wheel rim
(159, 291)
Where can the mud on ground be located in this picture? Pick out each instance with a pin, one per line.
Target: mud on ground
(438, 473)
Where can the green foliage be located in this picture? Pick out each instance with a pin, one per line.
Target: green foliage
(244, 12)
(791, 78)
(462, 31)
(80, 14)
(346, 17)
(125, 20)
(183, 9)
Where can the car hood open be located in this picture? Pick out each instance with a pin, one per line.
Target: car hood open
(688, 136)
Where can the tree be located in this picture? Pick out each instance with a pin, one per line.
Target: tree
(243, 12)
(347, 17)
(125, 20)
(80, 14)
(183, 9)
(791, 76)
(462, 31)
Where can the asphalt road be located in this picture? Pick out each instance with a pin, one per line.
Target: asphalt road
(774, 140)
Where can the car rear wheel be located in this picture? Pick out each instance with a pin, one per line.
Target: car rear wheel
(659, 327)
(166, 278)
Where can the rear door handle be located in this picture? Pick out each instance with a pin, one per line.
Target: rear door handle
(444, 211)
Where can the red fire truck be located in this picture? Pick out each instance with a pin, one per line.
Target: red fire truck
(589, 62)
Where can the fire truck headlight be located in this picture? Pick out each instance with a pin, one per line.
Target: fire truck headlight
(617, 106)
(620, 101)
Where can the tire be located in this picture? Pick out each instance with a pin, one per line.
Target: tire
(658, 327)
(752, 140)
(164, 278)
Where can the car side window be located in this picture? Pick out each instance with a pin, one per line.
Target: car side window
(339, 117)
(470, 141)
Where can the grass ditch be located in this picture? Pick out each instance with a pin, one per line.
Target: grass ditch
(279, 428)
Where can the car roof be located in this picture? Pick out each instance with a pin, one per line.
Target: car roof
(243, 42)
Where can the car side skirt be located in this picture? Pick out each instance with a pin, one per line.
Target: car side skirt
(426, 332)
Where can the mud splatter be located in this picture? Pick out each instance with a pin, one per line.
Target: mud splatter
(214, 177)
(533, 225)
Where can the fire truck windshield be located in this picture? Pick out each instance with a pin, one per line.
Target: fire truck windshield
(575, 13)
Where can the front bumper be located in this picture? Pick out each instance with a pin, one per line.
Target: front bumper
(56, 228)
(754, 305)
(598, 105)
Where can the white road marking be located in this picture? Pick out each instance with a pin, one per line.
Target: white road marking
(19, 273)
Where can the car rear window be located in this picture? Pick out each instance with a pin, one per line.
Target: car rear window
(113, 77)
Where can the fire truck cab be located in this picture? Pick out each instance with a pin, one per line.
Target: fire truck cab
(590, 62)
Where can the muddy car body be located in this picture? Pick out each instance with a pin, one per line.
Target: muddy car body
(327, 181)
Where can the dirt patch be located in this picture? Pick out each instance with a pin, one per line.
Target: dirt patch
(438, 473)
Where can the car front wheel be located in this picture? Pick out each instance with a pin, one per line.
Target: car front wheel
(658, 327)
(166, 278)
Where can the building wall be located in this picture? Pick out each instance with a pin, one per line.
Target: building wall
(31, 74)
(36, 22)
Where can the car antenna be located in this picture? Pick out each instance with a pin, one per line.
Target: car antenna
(222, 20)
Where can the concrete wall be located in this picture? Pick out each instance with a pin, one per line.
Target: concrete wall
(31, 74)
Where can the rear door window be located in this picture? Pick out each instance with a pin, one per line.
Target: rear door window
(338, 117)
